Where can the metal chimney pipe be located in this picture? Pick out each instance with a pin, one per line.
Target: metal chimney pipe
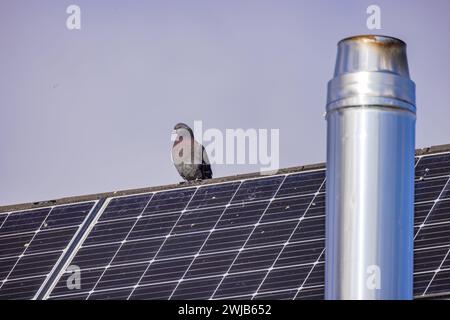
(371, 118)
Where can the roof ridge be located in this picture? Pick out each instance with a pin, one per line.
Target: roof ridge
(97, 196)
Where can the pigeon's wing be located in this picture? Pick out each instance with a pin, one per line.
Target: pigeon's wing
(183, 157)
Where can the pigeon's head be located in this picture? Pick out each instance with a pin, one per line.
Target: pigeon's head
(181, 131)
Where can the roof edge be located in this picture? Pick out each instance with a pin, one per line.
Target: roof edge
(97, 196)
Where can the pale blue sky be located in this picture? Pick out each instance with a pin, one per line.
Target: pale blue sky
(92, 110)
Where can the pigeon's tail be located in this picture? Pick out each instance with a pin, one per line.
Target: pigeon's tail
(206, 171)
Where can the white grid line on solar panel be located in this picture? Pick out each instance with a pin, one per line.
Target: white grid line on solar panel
(4, 220)
(431, 178)
(246, 240)
(429, 271)
(31, 254)
(174, 259)
(432, 247)
(437, 271)
(301, 288)
(231, 205)
(201, 231)
(22, 254)
(73, 253)
(25, 266)
(115, 254)
(28, 277)
(310, 271)
(430, 157)
(37, 231)
(430, 201)
(431, 224)
(244, 226)
(430, 234)
(433, 206)
(226, 228)
(190, 279)
(416, 162)
(250, 249)
(204, 242)
(428, 280)
(207, 254)
(175, 281)
(305, 289)
(437, 211)
(439, 283)
(32, 212)
(164, 241)
(29, 268)
(431, 189)
(269, 292)
(291, 235)
(92, 205)
(282, 291)
(56, 206)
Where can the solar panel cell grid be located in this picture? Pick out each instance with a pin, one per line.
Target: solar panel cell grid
(239, 284)
(129, 207)
(311, 294)
(155, 292)
(421, 212)
(440, 282)
(429, 189)
(216, 195)
(196, 289)
(446, 193)
(277, 295)
(32, 242)
(137, 251)
(206, 265)
(433, 166)
(260, 189)
(440, 212)
(21, 222)
(430, 235)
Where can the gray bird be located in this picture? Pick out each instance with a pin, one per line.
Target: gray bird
(189, 156)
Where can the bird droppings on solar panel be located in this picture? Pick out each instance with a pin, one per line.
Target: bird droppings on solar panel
(255, 237)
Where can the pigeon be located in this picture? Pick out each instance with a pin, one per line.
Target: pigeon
(189, 156)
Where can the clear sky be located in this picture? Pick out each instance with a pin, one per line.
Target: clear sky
(91, 110)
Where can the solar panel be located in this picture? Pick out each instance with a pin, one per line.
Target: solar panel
(198, 242)
(258, 238)
(31, 244)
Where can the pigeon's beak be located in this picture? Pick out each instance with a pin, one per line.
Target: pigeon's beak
(174, 135)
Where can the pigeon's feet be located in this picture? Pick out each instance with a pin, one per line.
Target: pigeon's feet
(182, 182)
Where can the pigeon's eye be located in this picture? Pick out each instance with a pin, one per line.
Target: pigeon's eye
(180, 139)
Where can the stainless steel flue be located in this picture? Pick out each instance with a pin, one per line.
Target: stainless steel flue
(370, 171)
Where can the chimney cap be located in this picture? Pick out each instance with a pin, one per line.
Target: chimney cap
(372, 53)
(371, 70)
